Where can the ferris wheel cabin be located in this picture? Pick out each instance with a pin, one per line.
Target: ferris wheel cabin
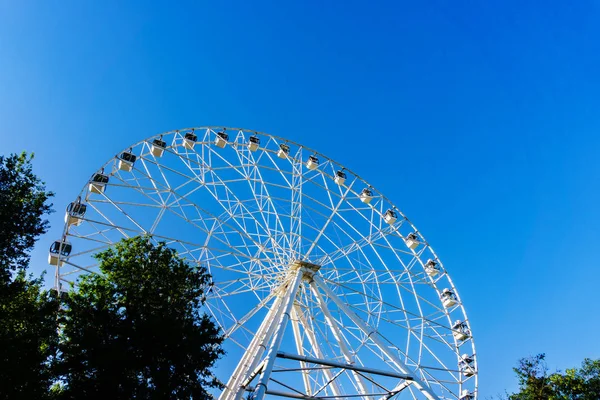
(253, 143)
(158, 147)
(98, 182)
(366, 196)
(221, 139)
(126, 161)
(467, 365)
(340, 177)
(412, 241)
(75, 213)
(432, 268)
(466, 395)
(390, 217)
(461, 331)
(284, 151)
(189, 140)
(58, 249)
(312, 163)
(448, 298)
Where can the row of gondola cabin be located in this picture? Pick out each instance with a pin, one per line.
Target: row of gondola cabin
(75, 212)
(390, 217)
(221, 139)
(126, 160)
(461, 331)
(253, 143)
(158, 147)
(189, 140)
(431, 268)
(466, 365)
(98, 182)
(448, 298)
(412, 241)
(284, 151)
(312, 163)
(58, 250)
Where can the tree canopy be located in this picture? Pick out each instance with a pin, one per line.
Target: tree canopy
(28, 330)
(535, 383)
(136, 331)
(24, 201)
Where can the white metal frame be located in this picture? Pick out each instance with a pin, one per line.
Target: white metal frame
(250, 217)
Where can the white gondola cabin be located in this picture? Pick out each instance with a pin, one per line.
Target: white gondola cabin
(189, 140)
(448, 298)
(221, 139)
(312, 163)
(412, 241)
(466, 395)
(253, 143)
(461, 331)
(126, 160)
(98, 182)
(390, 217)
(366, 196)
(432, 268)
(158, 147)
(75, 213)
(284, 151)
(340, 177)
(58, 249)
(467, 365)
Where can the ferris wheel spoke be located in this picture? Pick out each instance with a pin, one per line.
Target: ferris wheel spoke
(296, 207)
(262, 197)
(233, 207)
(230, 198)
(332, 215)
(266, 195)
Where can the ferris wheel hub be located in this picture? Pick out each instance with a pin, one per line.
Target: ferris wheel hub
(308, 269)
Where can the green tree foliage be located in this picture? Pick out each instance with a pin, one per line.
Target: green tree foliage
(23, 203)
(535, 383)
(28, 338)
(28, 333)
(137, 331)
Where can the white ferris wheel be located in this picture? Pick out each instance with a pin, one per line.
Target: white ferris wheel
(322, 287)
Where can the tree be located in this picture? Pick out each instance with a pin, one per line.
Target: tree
(23, 202)
(28, 338)
(28, 334)
(136, 331)
(535, 383)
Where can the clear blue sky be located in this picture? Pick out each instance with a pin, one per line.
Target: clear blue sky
(481, 121)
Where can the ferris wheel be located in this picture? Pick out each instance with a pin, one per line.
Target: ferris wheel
(322, 287)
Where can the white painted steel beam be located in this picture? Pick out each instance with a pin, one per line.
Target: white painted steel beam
(312, 339)
(375, 337)
(287, 302)
(337, 334)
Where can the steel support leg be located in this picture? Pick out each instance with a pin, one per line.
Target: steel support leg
(375, 337)
(287, 302)
(337, 334)
(300, 349)
(252, 353)
(312, 339)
